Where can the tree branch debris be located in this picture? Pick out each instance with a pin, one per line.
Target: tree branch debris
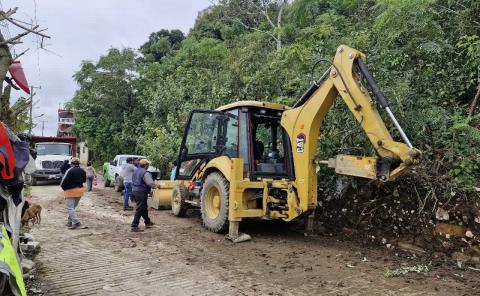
(10, 115)
(34, 29)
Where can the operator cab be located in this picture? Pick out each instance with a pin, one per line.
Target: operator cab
(247, 130)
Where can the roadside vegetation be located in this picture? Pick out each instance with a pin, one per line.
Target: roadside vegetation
(424, 54)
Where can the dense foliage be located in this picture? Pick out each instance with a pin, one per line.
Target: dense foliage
(425, 54)
(107, 109)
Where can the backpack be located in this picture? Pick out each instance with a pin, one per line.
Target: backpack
(7, 157)
(14, 157)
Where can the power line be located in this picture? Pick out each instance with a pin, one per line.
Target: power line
(39, 40)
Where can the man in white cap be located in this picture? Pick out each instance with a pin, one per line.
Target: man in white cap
(72, 185)
(142, 184)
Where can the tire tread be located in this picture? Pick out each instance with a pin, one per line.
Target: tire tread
(219, 225)
(181, 211)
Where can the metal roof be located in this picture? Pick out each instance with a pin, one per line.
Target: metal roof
(256, 104)
(54, 143)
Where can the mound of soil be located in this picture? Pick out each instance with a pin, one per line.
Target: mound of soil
(417, 214)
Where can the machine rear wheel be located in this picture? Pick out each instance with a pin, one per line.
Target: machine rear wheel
(214, 203)
(179, 195)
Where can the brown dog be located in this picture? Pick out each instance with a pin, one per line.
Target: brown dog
(33, 213)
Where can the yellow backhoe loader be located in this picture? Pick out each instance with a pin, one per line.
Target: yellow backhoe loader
(254, 159)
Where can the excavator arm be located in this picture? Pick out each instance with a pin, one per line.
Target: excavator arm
(349, 79)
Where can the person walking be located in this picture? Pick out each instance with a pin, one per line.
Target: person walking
(72, 185)
(142, 184)
(127, 175)
(136, 162)
(65, 166)
(91, 175)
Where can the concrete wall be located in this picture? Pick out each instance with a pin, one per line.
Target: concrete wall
(83, 153)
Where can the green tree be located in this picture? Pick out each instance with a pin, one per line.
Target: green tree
(424, 55)
(105, 105)
(161, 44)
(193, 78)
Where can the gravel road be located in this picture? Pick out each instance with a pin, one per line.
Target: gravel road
(179, 257)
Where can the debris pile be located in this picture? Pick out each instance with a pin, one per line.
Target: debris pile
(420, 268)
(413, 215)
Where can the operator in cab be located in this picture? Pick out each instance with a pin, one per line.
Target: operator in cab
(142, 184)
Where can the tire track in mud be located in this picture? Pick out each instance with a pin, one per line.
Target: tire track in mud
(178, 257)
(72, 263)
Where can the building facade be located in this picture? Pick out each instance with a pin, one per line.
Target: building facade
(66, 123)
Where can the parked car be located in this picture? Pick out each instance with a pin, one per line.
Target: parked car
(111, 171)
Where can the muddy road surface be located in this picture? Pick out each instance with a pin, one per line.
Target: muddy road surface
(179, 257)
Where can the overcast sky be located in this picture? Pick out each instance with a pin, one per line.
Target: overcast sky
(84, 30)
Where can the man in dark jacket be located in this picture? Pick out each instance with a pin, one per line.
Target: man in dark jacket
(72, 185)
(142, 183)
(65, 166)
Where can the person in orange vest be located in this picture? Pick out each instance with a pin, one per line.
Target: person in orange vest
(72, 185)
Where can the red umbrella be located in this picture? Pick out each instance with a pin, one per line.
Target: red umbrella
(18, 76)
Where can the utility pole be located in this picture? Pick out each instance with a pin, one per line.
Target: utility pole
(31, 106)
(43, 125)
(31, 109)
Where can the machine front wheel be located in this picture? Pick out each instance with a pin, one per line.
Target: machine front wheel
(179, 195)
(214, 203)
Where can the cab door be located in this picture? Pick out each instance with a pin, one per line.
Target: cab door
(204, 138)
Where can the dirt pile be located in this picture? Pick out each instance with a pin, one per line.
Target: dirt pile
(416, 214)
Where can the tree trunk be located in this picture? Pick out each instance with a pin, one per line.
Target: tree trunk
(279, 23)
(5, 61)
(474, 103)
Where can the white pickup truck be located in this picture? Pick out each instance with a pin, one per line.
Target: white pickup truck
(111, 170)
(49, 159)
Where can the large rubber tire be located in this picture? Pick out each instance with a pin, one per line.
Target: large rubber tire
(179, 196)
(214, 203)
(106, 182)
(117, 186)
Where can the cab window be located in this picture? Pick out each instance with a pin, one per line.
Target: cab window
(268, 144)
(231, 146)
(202, 141)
